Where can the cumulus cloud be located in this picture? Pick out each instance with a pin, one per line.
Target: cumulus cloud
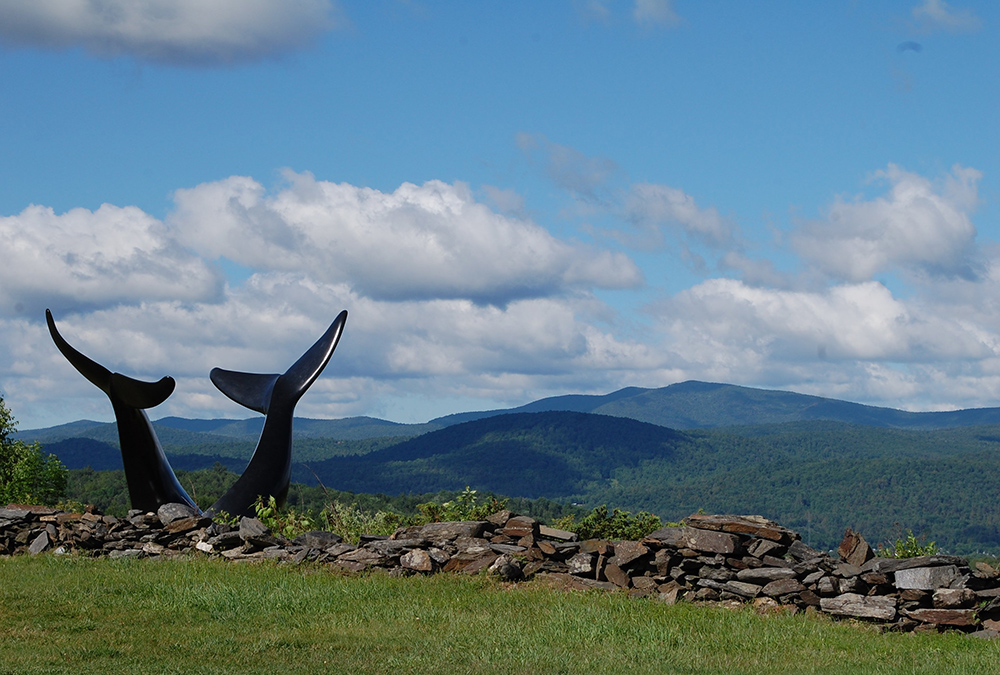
(851, 340)
(431, 348)
(919, 227)
(95, 259)
(939, 15)
(178, 32)
(418, 242)
(656, 12)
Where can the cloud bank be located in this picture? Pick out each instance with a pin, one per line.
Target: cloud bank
(894, 302)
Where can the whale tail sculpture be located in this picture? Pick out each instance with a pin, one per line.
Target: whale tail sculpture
(151, 481)
(270, 469)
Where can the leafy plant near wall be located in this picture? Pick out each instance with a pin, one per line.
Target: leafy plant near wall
(907, 546)
(26, 474)
(617, 524)
(465, 506)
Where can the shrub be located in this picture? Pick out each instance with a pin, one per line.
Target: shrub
(617, 524)
(466, 506)
(26, 474)
(907, 546)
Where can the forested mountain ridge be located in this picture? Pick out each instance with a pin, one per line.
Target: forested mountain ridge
(686, 405)
(696, 405)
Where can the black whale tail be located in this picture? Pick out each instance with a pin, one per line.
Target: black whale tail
(151, 481)
(255, 391)
(269, 472)
(118, 387)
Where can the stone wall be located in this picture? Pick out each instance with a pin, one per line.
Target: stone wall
(727, 559)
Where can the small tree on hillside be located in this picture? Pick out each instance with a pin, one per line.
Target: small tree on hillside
(26, 474)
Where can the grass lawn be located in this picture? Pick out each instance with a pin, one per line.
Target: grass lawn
(77, 615)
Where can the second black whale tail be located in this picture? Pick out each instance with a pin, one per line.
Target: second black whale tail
(269, 472)
(151, 481)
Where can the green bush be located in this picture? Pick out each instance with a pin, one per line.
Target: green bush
(27, 475)
(616, 524)
(465, 506)
(907, 546)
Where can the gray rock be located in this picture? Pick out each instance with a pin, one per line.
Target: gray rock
(168, 513)
(417, 560)
(520, 526)
(442, 531)
(954, 598)
(720, 574)
(781, 587)
(926, 578)
(860, 606)
(742, 589)
(802, 552)
(627, 552)
(546, 532)
(765, 574)
(582, 564)
(754, 526)
(40, 543)
(252, 528)
(506, 568)
(945, 617)
(706, 541)
(317, 539)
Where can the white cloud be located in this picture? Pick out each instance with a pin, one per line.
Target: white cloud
(434, 348)
(418, 242)
(656, 12)
(184, 32)
(920, 227)
(95, 259)
(939, 15)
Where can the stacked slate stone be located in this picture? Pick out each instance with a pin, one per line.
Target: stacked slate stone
(727, 559)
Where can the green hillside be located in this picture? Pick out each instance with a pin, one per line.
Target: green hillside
(819, 477)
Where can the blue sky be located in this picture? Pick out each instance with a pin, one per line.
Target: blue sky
(512, 200)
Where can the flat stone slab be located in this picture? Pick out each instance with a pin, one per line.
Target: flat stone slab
(755, 526)
(944, 617)
(926, 578)
(765, 574)
(781, 587)
(546, 532)
(861, 606)
(893, 564)
(442, 531)
(706, 541)
(627, 552)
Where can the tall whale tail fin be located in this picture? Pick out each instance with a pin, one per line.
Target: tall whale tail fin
(95, 373)
(254, 391)
(133, 393)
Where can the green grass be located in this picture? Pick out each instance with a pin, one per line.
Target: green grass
(77, 615)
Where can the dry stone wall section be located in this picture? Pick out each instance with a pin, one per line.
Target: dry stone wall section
(712, 558)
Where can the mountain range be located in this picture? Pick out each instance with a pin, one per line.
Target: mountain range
(812, 463)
